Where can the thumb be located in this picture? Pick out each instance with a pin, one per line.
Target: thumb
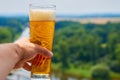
(30, 50)
(40, 50)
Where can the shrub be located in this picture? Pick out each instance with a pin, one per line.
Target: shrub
(5, 35)
(100, 73)
(115, 66)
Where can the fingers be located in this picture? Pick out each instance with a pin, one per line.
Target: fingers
(33, 48)
(43, 51)
(29, 51)
(18, 65)
(27, 67)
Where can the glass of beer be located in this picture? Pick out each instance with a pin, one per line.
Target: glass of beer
(42, 24)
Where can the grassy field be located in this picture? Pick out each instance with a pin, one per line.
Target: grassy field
(97, 20)
(81, 71)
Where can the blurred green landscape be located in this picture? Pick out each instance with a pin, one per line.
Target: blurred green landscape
(82, 50)
(11, 27)
(87, 50)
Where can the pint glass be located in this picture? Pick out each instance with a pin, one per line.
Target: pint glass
(42, 23)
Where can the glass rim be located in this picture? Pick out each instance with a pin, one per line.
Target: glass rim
(39, 5)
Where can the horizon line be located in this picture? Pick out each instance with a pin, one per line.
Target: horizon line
(59, 15)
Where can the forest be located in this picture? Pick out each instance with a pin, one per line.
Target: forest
(11, 28)
(87, 50)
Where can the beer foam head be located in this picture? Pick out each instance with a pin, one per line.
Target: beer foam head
(42, 14)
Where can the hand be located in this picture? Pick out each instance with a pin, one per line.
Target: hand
(16, 55)
(29, 51)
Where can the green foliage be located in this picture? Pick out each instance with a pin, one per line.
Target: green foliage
(115, 66)
(100, 73)
(11, 28)
(5, 35)
(80, 44)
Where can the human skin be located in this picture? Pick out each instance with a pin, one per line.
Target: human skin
(18, 54)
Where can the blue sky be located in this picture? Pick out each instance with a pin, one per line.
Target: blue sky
(80, 7)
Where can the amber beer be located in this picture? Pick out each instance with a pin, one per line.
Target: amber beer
(42, 23)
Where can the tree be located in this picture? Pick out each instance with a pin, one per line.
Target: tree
(5, 35)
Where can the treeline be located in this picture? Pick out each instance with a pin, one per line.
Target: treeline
(75, 44)
(78, 44)
(11, 28)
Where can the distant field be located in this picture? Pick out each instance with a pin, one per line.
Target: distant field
(92, 20)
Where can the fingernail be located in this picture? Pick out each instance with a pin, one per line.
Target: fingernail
(51, 54)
